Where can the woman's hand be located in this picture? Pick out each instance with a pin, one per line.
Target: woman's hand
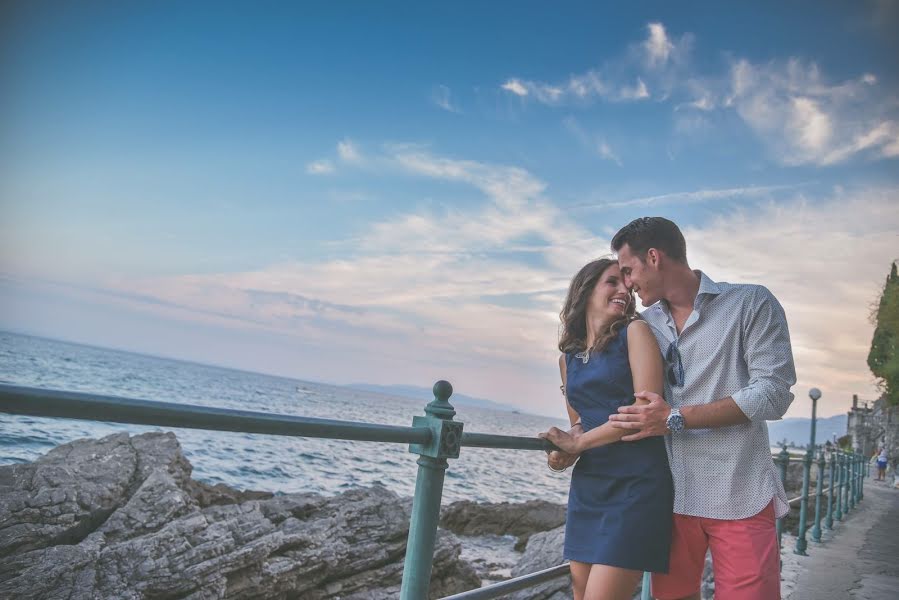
(559, 461)
(562, 440)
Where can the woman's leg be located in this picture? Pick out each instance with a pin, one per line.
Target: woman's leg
(579, 574)
(611, 583)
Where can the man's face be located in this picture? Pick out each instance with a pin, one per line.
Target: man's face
(638, 276)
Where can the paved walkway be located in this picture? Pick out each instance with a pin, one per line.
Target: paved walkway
(859, 560)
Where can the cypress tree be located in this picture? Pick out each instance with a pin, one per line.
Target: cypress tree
(883, 358)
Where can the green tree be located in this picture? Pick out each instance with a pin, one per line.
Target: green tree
(883, 359)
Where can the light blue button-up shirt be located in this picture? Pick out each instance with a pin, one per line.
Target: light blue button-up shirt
(735, 343)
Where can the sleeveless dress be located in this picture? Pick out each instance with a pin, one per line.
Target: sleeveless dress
(620, 504)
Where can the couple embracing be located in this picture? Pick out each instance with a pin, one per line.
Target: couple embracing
(668, 436)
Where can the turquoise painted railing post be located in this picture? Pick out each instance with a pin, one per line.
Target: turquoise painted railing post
(838, 513)
(852, 481)
(846, 482)
(782, 460)
(801, 543)
(861, 477)
(819, 493)
(446, 440)
(647, 583)
(830, 491)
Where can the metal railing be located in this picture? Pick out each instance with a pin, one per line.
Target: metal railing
(435, 437)
(845, 473)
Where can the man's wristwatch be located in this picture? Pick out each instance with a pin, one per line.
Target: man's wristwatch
(675, 421)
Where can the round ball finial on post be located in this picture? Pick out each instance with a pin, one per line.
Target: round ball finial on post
(814, 394)
(440, 406)
(443, 390)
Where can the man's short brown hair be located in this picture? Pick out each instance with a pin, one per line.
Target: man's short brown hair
(652, 232)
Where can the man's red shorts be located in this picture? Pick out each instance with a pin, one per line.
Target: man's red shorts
(745, 558)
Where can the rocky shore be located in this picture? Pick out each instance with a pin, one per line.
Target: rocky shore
(122, 518)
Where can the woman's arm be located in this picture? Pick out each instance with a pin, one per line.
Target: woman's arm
(562, 460)
(646, 370)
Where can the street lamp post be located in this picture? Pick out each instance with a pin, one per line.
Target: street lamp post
(801, 543)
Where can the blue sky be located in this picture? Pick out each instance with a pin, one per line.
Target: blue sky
(397, 193)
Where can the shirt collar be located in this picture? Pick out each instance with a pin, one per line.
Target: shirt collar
(707, 287)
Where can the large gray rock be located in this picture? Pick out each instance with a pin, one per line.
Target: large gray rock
(503, 518)
(544, 550)
(121, 518)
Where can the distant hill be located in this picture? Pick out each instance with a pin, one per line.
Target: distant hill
(426, 395)
(797, 431)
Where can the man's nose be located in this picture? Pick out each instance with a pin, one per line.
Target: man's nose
(627, 282)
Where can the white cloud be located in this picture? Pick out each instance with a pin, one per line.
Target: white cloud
(800, 116)
(766, 192)
(348, 151)
(320, 167)
(657, 46)
(804, 119)
(516, 87)
(594, 143)
(441, 96)
(621, 79)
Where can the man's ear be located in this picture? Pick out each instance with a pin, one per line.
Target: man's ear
(653, 257)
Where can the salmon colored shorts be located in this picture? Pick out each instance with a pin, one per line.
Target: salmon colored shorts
(745, 558)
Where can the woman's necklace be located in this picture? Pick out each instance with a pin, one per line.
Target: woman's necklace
(584, 356)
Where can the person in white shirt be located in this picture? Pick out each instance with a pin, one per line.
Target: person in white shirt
(729, 368)
(882, 464)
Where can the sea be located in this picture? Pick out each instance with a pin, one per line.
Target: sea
(261, 462)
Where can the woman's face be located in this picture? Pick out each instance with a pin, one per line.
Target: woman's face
(610, 297)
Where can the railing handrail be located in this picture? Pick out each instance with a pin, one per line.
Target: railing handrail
(508, 586)
(41, 402)
(46, 402)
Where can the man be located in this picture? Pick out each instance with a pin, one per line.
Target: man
(728, 369)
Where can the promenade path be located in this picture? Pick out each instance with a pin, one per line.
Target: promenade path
(859, 560)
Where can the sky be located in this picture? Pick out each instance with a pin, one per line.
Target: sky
(397, 193)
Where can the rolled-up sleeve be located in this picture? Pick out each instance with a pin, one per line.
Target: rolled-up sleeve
(769, 357)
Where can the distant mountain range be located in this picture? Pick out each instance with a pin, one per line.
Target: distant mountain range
(797, 431)
(426, 394)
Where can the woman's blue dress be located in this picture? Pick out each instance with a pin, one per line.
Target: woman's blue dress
(621, 499)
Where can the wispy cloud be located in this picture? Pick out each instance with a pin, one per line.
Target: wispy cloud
(804, 119)
(516, 87)
(441, 97)
(622, 79)
(593, 143)
(348, 151)
(320, 167)
(692, 197)
(800, 115)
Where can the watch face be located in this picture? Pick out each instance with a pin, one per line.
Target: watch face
(675, 423)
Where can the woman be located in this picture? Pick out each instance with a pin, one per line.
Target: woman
(620, 501)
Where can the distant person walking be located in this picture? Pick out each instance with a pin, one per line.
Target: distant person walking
(728, 369)
(882, 460)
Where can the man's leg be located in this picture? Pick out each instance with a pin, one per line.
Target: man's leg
(687, 560)
(745, 556)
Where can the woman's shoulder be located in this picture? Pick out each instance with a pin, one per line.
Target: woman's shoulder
(639, 332)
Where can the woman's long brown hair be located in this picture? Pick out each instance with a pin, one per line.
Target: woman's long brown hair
(573, 330)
